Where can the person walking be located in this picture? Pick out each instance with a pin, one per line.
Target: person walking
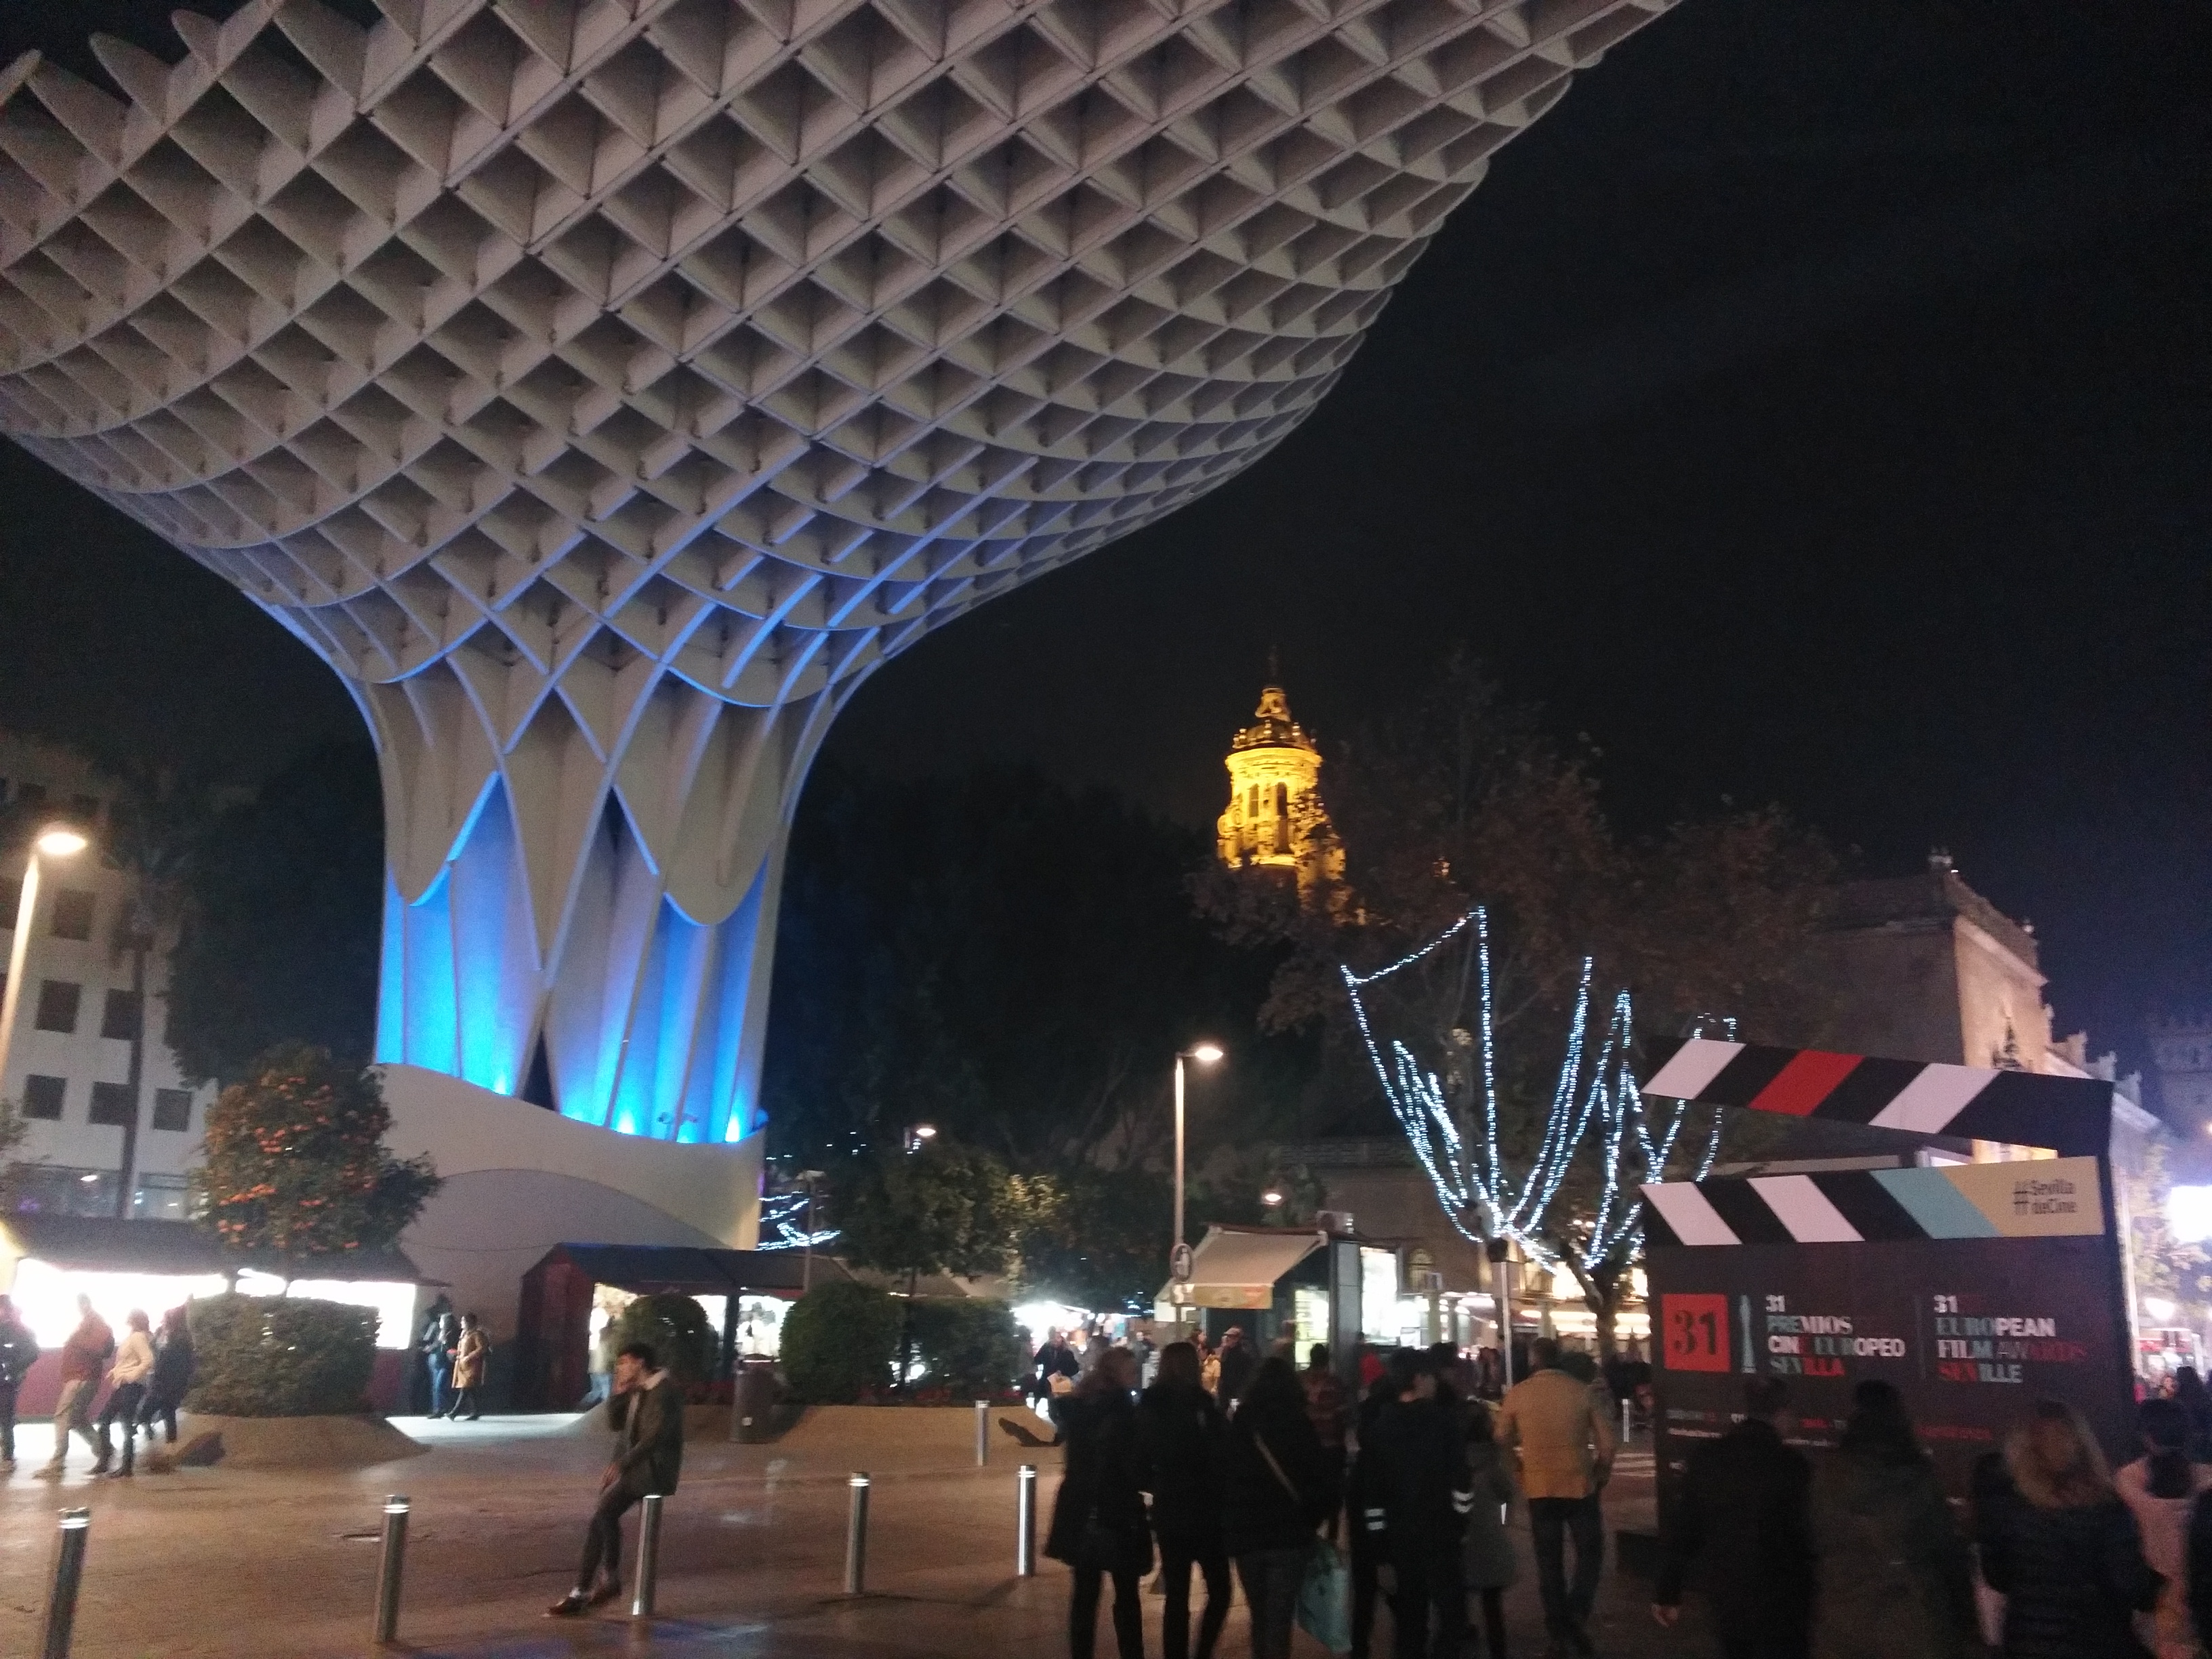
(2062, 1547)
(1098, 1519)
(84, 1357)
(1182, 1435)
(1743, 1518)
(2195, 1399)
(1889, 1569)
(646, 1411)
(1239, 1362)
(471, 1351)
(1490, 1568)
(439, 1333)
(1413, 1492)
(1554, 1421)
(1054, 1371)
(1329, 1409)
(173, 1365)
(1209, 1369)
(1277, 1488)
(1366, 1551)
(134, 1364)
(2160, 1489)
(19, 1351)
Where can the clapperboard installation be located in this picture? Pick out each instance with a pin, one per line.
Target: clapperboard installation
(1975, 1287)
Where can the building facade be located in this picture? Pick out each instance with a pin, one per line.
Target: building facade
(69, 1060)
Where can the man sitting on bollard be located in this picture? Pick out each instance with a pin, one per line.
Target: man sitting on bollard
(646, 1411)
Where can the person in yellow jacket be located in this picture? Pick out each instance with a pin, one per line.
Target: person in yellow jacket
(1555, 1423)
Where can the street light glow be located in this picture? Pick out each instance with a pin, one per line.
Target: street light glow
(1271, 1197)
(925, 1132)
(1206, 1053)
(58, 840)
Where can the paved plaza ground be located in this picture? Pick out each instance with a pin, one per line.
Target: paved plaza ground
(237, 1563)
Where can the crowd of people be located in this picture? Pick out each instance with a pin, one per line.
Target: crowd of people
(1229, 1459)
(145, 1376)
(1858, 1553)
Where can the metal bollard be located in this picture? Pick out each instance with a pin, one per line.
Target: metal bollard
(390, 1562)
(1625, 1429)
(1025, 1522)
(68, 1573)
(983, 1433)
(648, 1557)
(856, 1538)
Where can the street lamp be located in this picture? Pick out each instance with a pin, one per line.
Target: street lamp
(56, 841)
(1206, 1053)
(916, 1135)
(806, 1261)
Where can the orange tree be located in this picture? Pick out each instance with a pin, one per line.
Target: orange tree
(296, 1164)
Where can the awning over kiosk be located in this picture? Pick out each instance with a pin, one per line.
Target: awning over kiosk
(1237, 1267)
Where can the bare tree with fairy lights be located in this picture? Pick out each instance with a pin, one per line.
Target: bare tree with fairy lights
(1564, 1182)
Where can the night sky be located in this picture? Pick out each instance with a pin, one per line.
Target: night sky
(1814, 407)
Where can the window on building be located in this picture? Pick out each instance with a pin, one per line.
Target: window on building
(120, 1019)
(72, 914)
(58, 1005)
(172, 1110)
(111, 1104)
(1282, 817)
(42, 1096)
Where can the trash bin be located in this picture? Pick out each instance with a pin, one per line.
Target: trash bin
(752, 1414)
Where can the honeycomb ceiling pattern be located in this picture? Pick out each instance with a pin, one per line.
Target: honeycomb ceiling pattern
(743, 338)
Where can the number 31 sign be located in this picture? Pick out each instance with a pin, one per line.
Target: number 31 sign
(1696, 1331)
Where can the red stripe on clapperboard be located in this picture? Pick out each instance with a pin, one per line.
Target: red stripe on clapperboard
(1804, 1082)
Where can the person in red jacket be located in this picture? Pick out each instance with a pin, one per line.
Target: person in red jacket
(84, 1357)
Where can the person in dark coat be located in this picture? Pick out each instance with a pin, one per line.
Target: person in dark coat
(1490, 1565)
(1279, 1487)
(173, 1365)
(1413, 1493)
(1098, 1520)
(1743, 1519)
(1891, 1574)
(646, 1411)
(1238, 1363)
(2063, 1548)
(2193, 1397)
(1366, 1552)
(440, 1330)
(19, 1351)
(1183, 1436)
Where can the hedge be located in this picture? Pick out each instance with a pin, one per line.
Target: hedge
(279, 1355)
(838, 1343)
(969, 1347)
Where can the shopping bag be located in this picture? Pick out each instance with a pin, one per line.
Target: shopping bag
(1325, 1598)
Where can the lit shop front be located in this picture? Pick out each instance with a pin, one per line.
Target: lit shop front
(47, 1262)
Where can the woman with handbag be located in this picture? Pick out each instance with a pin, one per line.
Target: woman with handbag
(1280, 1487)
(1098, 1524)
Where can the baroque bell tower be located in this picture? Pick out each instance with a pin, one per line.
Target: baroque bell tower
(1274, 819)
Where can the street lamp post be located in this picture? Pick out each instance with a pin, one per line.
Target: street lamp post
(56, 841)
(1206, 1053)
(806, 1261)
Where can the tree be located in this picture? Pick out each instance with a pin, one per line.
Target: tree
(2166, 1264)
(296, 1162)
(942, 1209)
(1013, 961)
(158, 827)
(278, 938)
(1503, 1044)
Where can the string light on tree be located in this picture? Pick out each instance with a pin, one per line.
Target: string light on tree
(1594, 1102)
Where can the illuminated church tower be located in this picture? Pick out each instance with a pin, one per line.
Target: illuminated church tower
(1274, 819)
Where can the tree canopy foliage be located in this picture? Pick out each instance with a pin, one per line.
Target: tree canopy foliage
(1011, 962)
(296, 1162)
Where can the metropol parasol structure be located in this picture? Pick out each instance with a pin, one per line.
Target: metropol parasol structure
(603, 388)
